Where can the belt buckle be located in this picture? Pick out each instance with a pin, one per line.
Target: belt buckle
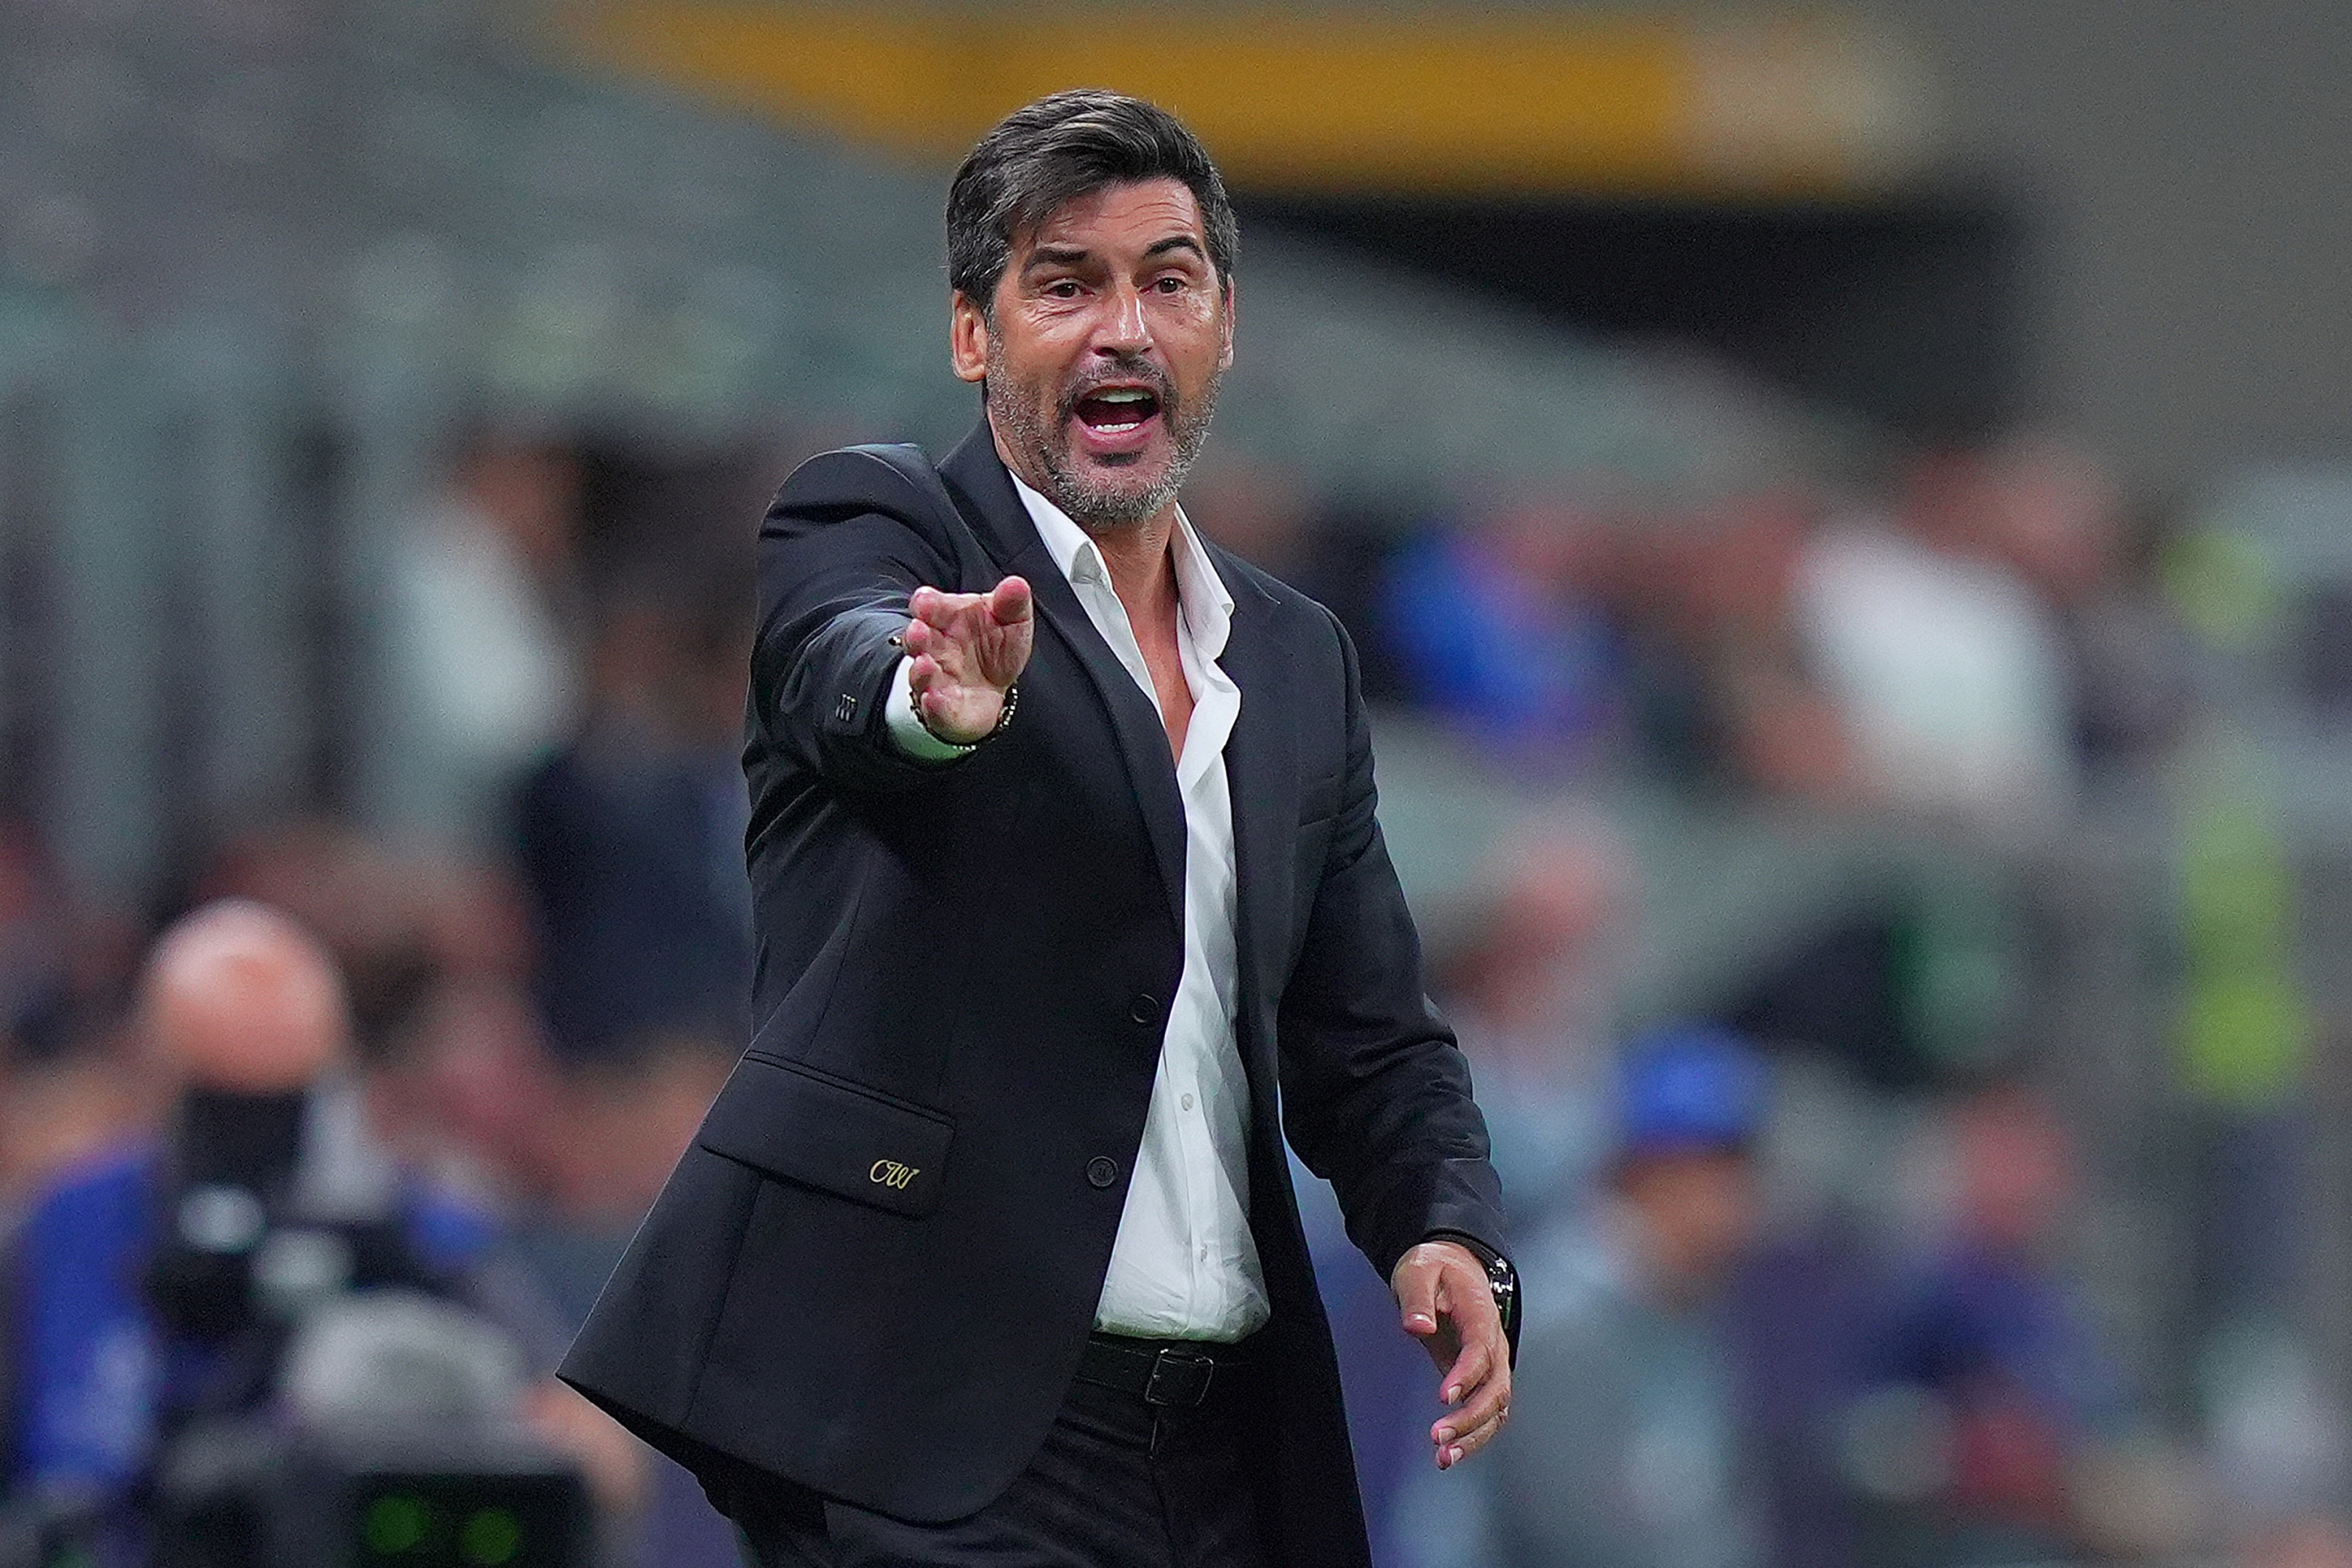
(1178, 1377)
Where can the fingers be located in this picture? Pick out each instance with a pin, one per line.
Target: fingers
(938, 606)
(960, 660)
(1444, 1300)
(967, 649)
(1007, 604)
(1009, 600)
(1467, 1374)
(922, 674)
(1480, 1382)
(1471, 1427)
(1415, 1285)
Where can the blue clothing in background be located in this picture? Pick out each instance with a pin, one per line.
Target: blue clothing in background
(91, 1369)
(1522, 668)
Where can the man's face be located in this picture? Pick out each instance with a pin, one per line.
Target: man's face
(1700, 1210)
(1111, 332)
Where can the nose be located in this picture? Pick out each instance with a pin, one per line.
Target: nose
(1124, 329)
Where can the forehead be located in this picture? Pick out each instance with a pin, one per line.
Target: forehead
(1134, 215)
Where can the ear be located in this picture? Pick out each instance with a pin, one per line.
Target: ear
(967, 339)
(1226, 355)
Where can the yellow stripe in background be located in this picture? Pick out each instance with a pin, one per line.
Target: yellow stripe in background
(1326, 100)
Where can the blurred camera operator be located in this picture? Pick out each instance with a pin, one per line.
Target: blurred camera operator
(165, 1284)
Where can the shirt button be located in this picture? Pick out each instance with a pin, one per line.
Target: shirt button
(1187, 1103)
(1102, 1171)
(1144, 1008)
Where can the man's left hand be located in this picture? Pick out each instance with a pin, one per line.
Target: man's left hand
(1441, 1288)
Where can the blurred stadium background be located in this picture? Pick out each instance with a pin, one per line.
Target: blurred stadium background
(1848, 512)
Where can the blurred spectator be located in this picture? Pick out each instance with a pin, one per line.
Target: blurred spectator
(1257, 510)
(2248, 1030)
(615, 1125)
(2025, 1402)
(1499, 624)
(480, 656)
(65, 975)
(1948, 672)
(58, 1112)
(2279, 1446)
(438, 957)
(136, 1317)
(2057, 517)
(459, 1087)
(32, 970)
(1806, 1314)
(1527, 976)
(393, 919)
(1928, 980)
(1529, 982)
(1625, 1449)
(1333, 551)
(631, 837)
(1726, 687)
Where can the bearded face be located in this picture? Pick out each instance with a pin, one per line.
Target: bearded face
(1109, 337)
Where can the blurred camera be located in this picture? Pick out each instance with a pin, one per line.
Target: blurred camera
(327, 1399)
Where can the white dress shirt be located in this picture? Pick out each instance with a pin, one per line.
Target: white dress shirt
(1183, 1265)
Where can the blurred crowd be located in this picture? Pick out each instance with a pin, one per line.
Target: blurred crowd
(1797, 1281)
(1977, 633)
(544, 967)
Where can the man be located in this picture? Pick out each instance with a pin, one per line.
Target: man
(1070, 901)
(1633, 1456)
(133, 1310)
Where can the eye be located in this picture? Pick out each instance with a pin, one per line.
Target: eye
(1172, 283)
(1061, 288)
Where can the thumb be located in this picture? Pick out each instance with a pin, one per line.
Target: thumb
(1008, 603)
(1416, 1295)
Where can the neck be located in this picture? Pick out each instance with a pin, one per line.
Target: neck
(1138, 556)
(1142, 573)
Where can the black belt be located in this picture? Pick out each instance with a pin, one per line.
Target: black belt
(1162, 1372)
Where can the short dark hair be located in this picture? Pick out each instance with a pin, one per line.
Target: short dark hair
(1041, 157)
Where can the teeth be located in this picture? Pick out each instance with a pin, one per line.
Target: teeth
(1122, 395)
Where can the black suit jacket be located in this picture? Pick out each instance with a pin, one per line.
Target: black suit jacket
(874, 1272)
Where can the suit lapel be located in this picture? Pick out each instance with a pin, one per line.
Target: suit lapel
(1262, 775)
(984, 493)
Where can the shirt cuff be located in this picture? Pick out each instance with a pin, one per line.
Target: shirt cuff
(906, 730)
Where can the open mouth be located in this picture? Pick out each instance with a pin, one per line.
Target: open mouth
(1116, 410)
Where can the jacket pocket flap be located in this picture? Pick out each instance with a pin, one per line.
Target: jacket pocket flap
(796, 1125)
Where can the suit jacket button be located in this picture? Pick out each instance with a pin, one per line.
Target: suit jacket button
(1144, 1009)
(1102, 1171)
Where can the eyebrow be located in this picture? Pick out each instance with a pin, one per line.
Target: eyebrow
(1175, 242)
(1072, 255)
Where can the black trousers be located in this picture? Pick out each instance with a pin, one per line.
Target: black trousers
(1119, 1484)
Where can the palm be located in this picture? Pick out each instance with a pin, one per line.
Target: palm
(968, 650)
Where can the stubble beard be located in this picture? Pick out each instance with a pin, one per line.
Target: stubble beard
(1097, 505)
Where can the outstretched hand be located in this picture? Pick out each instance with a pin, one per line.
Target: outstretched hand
(1446, 1303)
(965, 652)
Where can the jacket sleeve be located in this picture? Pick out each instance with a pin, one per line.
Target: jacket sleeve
(835, 581)
(1376, 1094)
